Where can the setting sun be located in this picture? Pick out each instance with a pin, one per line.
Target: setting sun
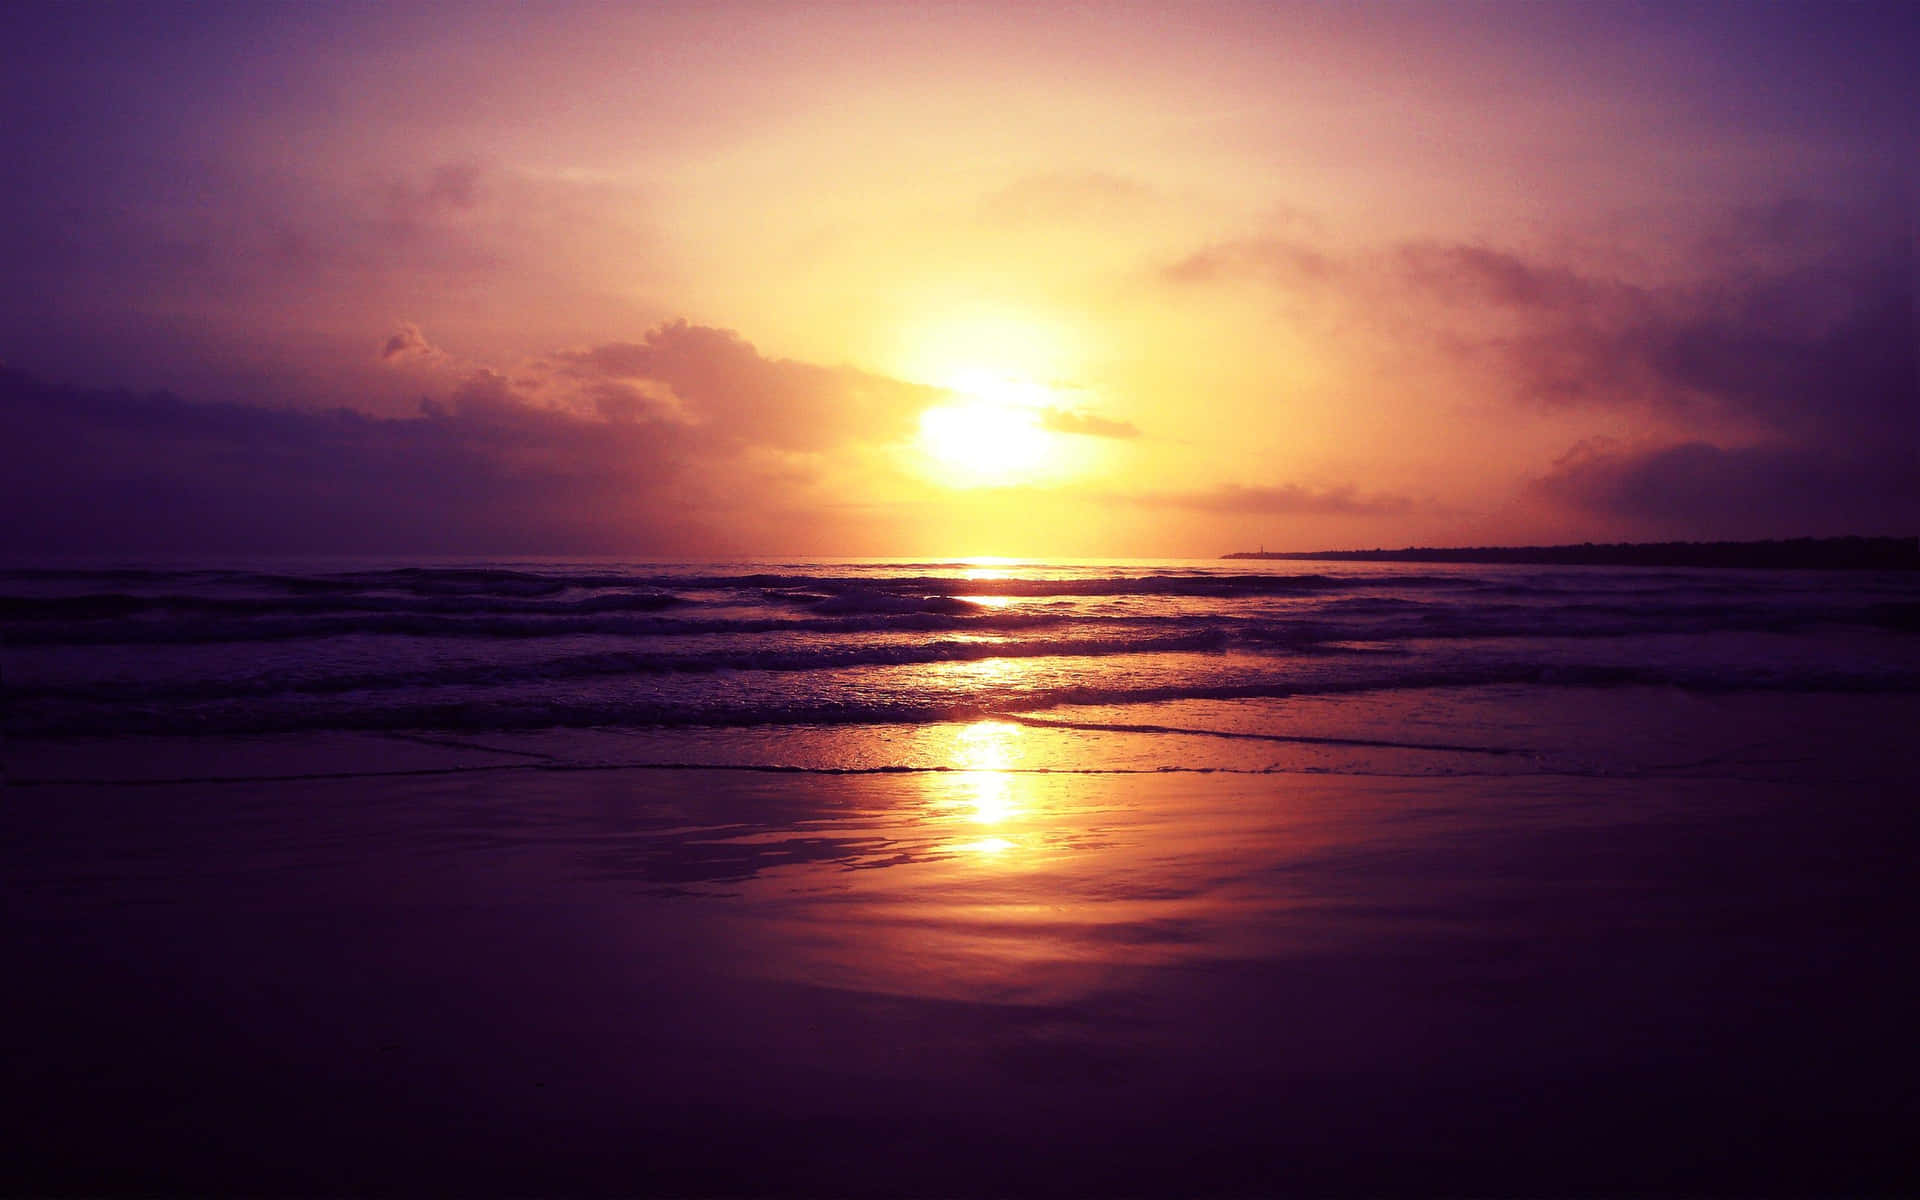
(983, 442)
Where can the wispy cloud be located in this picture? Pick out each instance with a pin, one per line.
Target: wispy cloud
(1261, 260)
(1280, 499)
(1077, 421)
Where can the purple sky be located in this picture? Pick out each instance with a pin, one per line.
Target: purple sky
(878, 279)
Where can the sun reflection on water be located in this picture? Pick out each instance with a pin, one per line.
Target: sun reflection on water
(984, 788)
(988, 567)
(975, 678)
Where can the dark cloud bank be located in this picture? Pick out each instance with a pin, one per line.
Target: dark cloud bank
(1816, 365)
(680, 444)
(114, 472)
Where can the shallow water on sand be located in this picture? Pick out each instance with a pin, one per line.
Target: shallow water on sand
(1449, 940)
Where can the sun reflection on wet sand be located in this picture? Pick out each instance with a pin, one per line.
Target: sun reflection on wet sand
(1039, 865)
(984, 791)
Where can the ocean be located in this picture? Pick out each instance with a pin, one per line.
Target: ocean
(957, 878)
(764, 645)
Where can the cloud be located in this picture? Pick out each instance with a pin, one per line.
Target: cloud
(408, 344)
(1819, 349)
(1280, 499)
(1770, 356)
(283, 267)
(614, 401)
(1471, 274)
(1697, 489)
(1425, 280)
(1794, 320)
(737, 396)
(485, 472)
(1076, 421)
(1823, 353)
(1262, 260)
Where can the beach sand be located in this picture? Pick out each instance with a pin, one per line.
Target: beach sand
(1606, 941)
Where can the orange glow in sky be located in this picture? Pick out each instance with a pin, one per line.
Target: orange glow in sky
(874, 279)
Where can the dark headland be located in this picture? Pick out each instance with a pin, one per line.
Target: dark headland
(1833, 553)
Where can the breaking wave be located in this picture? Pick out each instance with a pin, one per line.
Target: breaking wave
(138, 650)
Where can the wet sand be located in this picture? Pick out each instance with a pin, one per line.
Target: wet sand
(473, 976)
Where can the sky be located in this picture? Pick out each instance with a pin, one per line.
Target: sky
(953, 279)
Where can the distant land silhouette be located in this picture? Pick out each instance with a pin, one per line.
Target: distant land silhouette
(1831, 553)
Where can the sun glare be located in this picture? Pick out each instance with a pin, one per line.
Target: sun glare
(992, 430)
(982, 443)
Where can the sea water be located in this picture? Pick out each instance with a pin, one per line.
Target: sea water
(480, 648)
